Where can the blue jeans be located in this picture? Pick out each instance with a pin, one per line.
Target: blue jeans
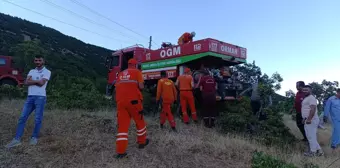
(36, 103)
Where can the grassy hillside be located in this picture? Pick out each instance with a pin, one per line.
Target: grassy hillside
(86, 139)
(65, 55)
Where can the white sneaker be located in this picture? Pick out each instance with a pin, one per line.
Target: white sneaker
(33, 141)
(13, 143)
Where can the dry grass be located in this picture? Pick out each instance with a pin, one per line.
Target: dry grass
(85, 139)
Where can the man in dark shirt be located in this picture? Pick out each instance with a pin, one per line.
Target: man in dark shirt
(297, 106)
(208, 88)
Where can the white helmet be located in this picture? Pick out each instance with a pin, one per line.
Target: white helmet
(193, 34)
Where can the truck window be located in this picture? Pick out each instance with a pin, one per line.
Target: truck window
(115, 61)
(2, 62)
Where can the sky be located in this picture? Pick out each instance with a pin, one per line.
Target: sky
(300, 39)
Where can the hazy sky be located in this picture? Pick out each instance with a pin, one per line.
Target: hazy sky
(300, 39)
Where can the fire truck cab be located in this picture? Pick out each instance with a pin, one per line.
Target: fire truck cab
(8, 74)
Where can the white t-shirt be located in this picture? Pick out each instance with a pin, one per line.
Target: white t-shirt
(36, 74)
(305, 109)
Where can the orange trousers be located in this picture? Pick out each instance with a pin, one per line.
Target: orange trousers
(187, 97)
(166, 114)
(127, 109)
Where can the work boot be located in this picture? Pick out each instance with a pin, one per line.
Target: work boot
(162, 126)
(174, 129)
(195, 121)
(141, 146)
(121, 156)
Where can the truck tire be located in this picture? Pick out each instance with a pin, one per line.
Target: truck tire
(10, 82)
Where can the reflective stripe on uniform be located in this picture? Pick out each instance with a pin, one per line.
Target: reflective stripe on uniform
(120, 134)
(193, 113)
(141, 133)
(141, 129)
(126, 81)
(121, 139)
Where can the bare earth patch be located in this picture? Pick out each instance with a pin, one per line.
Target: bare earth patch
(87, 139)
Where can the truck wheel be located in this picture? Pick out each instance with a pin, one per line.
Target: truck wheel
(8, 82)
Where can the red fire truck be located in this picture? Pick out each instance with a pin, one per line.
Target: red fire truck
(213, 54)
(8, 74)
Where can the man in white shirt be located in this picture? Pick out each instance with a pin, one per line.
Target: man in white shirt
(311, 120)
(36, 81)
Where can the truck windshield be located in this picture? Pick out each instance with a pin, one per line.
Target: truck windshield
(2, 62)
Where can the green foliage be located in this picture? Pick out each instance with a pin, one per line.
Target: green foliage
(324, 89)
(236, 116)
(76, 92)
(11, 92)
(78, 73)
(261, 160)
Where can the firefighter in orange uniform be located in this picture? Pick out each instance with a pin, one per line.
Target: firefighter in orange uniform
(129, 105)
(186, 38)
(167, 92)
(185, 84)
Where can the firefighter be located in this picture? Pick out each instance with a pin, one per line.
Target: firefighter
(185, 85)
(129, 105)
(186, 38)
(208, 87)
(167, 92)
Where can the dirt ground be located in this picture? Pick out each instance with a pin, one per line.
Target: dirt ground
(87, 139)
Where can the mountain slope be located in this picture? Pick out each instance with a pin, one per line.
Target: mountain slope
(71, 50)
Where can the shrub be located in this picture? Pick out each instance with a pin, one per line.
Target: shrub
(236, 116)
(76, 93)
(11, 92)
(261, 160)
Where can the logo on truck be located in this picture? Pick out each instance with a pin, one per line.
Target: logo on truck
(170, 52)
(229, 49)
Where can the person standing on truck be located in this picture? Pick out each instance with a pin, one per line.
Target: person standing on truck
(185, 85)
(309, 112)
(167, 92)
(208, 88)
(297, 106)
(186, 38)
(36, 81)
(129, 98)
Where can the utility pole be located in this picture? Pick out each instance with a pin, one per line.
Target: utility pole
(150, 42)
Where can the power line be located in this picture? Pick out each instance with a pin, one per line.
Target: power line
(84, 18)
(93, 11)
(64, 22)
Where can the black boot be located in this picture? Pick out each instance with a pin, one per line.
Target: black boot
(121, 156)
(141, 146)
(174, 129)
(206, 122)
(213, 122)
(162, 126)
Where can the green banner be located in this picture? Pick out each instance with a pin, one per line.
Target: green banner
(183, 59)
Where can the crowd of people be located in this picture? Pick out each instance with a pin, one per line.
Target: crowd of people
(308, 121)
(129, 99)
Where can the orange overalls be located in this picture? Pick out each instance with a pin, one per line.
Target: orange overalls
(167, 91)
(186, 96)
(185, 38)
(129, 105)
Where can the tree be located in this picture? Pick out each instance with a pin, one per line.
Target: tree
(249, 73)
(324, 89)
(290, 93)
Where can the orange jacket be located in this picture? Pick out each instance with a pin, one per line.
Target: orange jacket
(127, 85)
(166, 90)
(185, 82)
(185, 38)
